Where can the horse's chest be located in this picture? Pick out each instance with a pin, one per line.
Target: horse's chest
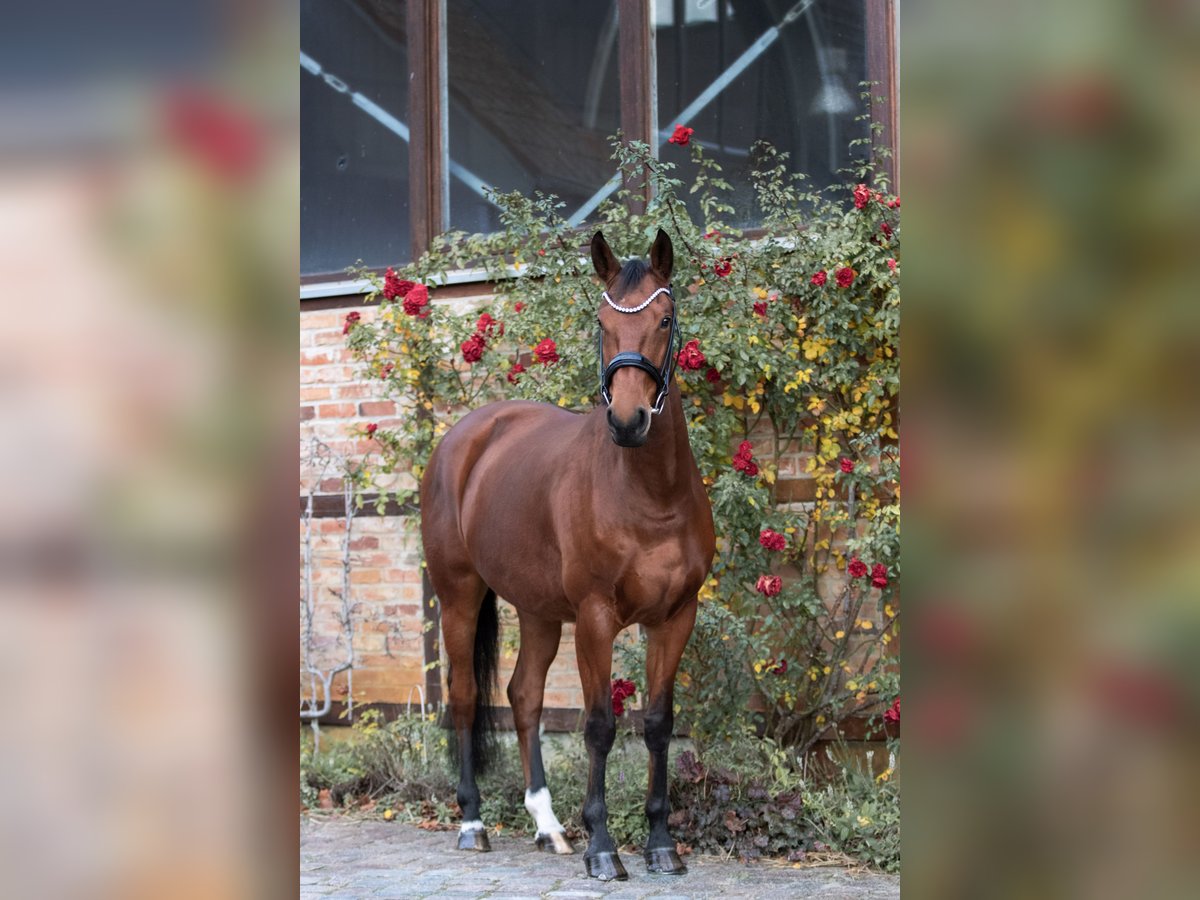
(652, 581)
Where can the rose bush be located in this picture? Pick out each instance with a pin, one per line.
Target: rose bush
(789, 380)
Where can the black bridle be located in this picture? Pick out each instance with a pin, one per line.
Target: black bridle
(629, 359)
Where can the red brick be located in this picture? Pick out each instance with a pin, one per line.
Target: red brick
(358, 390)
(364, 543)
(317, 359)
(377, 408)
(364, 576)
(308, 394)
(306, 412)
(336, 410)
(311, 321)
(325, 338)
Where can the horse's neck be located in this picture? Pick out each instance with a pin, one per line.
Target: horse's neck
(658, 470)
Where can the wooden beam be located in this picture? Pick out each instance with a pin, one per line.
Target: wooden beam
(639, 85)
(881, 68)
(428, 187)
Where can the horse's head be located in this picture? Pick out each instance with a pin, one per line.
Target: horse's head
(637, 334)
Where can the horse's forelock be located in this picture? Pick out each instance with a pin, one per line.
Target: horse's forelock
(630, 276)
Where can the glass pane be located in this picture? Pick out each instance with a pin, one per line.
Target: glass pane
(740, 71)
(353, 135)
(533, 95)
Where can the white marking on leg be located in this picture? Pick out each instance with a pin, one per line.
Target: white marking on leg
(473, 825)
(539, 807)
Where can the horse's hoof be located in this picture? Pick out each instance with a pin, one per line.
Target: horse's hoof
(475, 839)
(664, 861)
(606, 867)
(555, 841)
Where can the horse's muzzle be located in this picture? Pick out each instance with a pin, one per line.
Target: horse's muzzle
(632, 433)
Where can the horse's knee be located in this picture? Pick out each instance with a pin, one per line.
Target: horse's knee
(600, 731)
(658, 725)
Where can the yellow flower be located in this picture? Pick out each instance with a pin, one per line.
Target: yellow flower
(863, 821)
(865, 624)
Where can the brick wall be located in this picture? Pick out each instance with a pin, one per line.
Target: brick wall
(390, 642)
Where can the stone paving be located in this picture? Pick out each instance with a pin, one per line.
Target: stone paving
(346, 857)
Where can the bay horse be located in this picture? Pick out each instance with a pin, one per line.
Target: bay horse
(600, 519)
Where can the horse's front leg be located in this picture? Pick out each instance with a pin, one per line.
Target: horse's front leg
(664, 648)
(595, 630)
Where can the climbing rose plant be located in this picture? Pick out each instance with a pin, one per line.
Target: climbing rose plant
(788, 367)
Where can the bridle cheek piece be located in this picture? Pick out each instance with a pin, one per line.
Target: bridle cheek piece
(661, 374)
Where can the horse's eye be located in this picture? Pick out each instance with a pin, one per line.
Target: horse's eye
(665, 322)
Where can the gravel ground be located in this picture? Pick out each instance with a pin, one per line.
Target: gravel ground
(345, 857)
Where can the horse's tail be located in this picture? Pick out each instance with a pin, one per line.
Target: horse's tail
(487, 658)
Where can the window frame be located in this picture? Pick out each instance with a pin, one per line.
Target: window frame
(429, 116)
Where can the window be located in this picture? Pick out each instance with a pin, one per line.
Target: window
(741, 71)
(354, 153)
(410, 109)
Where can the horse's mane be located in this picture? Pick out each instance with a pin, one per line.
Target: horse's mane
(631, 273)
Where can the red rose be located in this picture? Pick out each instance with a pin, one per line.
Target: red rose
(473, 347)
(546, 352)
(518, 306)
(862, 196)
(712, 375)
(819, 279)
(371, 429)
(886, 229)
(387, 370)
(514, 373)
(351, 321)
(742, 460)
(622, 690)
(777, 668)
(893, 714)
(486, 324)
(769, 585)
(857, 568)
(415, 301)
(772, 540)
(879, 575)
(394, 287)
(723, 268)
(541, 253)
(682, 135)
(894, 204)
(713, 234)
(690, 358)
(760, 309)
(892, 264)
(847, 465)
(844, 276)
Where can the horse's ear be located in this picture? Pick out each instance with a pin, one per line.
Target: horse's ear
(662, 256)
(603, 259)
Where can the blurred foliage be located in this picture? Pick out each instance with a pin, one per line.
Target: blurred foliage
(792, 340)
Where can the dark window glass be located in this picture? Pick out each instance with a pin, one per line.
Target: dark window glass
(740, 71)
(353, 135)
(533, 95)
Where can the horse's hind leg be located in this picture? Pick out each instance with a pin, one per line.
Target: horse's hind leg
(526, 692)
(466, 605)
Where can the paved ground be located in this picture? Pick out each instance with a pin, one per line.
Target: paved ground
(343, 858)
